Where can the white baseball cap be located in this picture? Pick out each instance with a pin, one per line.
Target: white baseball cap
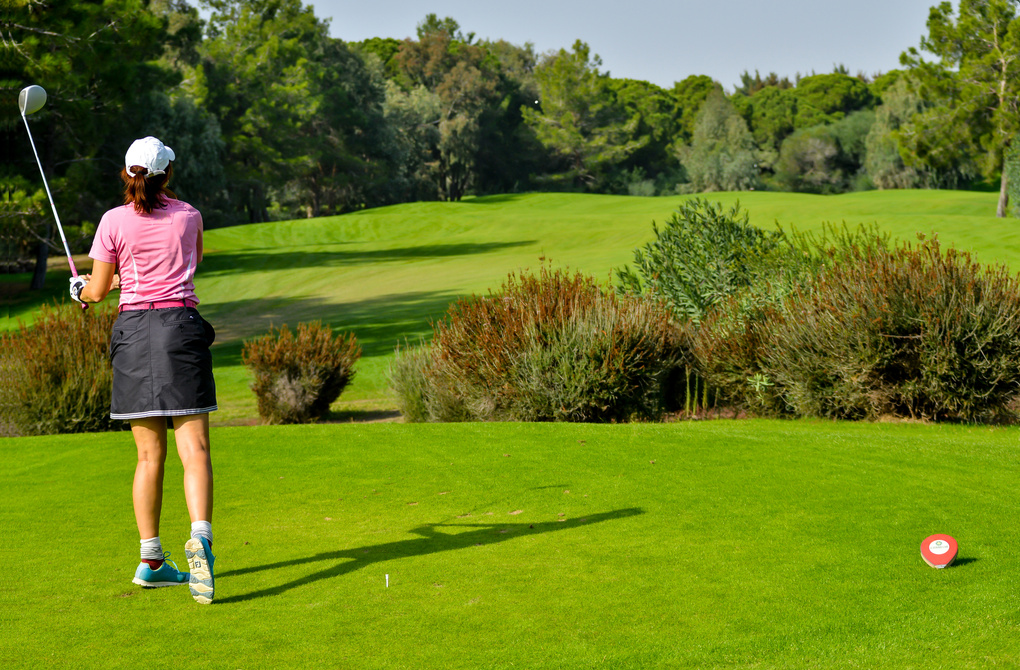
(150, 154)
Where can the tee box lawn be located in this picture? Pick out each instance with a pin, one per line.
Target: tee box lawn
(719, 544)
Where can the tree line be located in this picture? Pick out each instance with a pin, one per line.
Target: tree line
(274, 119)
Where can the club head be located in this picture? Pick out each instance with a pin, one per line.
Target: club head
(31, 99)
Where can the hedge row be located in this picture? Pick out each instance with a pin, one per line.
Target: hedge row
(548, 347)
(842, 325)
(915, 331)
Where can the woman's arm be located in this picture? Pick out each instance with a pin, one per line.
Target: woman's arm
(102, 280)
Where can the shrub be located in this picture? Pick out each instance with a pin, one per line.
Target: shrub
(727, 348)
(551, 347)
(426, 391)
(728, 343)
(10, 378)
(408, 381)
(298, 376)
(58, 372)
(700, 256)
(912, 331)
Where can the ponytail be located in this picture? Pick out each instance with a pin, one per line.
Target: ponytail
(146, 193)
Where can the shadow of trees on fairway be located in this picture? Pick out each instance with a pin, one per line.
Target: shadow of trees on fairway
(498, 199)
(431, 541)
(380, 322)
(219, 263)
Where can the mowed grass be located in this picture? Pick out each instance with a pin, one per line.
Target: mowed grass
(698, 544)
(384, 273)
(689, 545)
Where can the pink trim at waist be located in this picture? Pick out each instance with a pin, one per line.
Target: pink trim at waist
(161, 304)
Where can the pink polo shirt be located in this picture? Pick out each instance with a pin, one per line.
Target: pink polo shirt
(155, 254)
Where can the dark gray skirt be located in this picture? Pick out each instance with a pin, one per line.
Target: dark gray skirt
(161, 364)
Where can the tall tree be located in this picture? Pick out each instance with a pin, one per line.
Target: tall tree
(770, 113)
(509, 153)
(690, 94)
(884, 164)
(721, 156)
(826, 98)
(657, 117)
(412, 118)
(385, 49)
(347, 163)
(750, 85)
(299, 111)
(256, 77)
(976, 81)
(580, 120)
(465, 78)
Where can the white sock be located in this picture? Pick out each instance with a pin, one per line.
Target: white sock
(202, 529)
(152, 549)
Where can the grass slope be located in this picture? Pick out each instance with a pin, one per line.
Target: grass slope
(383, 273)
(711, 545)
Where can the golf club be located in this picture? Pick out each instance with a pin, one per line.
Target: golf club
(31, 100)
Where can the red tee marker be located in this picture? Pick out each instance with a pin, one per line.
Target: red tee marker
(938, 551)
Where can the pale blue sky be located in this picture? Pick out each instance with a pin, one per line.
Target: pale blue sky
(662, 41)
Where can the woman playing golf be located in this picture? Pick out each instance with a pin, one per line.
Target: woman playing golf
(159, 349)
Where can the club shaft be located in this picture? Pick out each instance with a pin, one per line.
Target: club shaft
(60, 229)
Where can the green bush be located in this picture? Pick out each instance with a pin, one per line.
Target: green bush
(727, 348)
(547, 347)
(57, 373)
(913, 331)
(727, 345)
(699, 257)
(425, 390)
(298, 376)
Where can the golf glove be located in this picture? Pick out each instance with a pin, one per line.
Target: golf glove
(77, 284)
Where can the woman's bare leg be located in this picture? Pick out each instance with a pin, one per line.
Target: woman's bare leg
(192, 435)
(147, 490)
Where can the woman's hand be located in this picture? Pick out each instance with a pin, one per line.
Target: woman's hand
(77, 285)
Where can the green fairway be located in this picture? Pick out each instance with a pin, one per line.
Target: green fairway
(384, 273)
(703, 545)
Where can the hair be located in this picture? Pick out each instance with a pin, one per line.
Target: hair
(144, 192)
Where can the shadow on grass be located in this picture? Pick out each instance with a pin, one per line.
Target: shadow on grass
(960, 562)
(361, 416)
(231, 262)
(379, 323)
(432, 541)
(498, 199)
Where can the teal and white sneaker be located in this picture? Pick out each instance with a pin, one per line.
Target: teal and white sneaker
(167, 575)
(200, 562)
